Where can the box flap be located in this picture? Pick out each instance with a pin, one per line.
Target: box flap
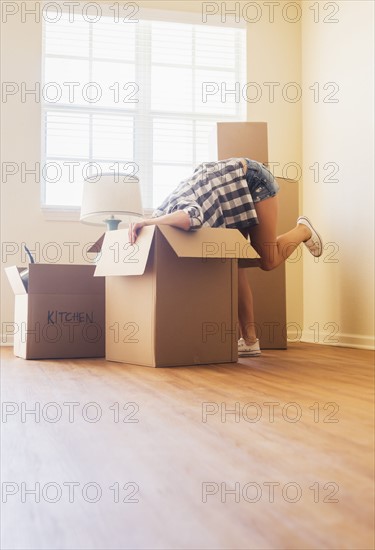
(97, 246)
(208, 242)
(119, 257)
(14, 278)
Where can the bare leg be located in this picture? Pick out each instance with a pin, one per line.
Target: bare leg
(245, 308)
(274, 250)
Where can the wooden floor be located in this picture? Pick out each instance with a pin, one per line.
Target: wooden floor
(291, 467)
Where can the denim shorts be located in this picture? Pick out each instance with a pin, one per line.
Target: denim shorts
(262, 184)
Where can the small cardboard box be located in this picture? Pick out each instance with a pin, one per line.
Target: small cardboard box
(61, 312)
(243, 140)
(171, 298)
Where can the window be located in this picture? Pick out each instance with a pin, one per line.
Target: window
(139, 98)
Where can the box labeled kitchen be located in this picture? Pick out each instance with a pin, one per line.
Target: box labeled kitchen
(59, 311)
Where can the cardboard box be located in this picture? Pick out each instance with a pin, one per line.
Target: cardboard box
(242, 140)
(250, 140)
(60, 314)
(171, 299)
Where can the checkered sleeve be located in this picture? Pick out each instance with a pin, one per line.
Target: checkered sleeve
(191, 207)
(194, 211)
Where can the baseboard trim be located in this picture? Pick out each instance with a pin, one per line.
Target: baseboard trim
(6, 340)
(339, 339)
(309, 337)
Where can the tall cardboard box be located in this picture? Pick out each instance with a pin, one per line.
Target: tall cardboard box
(171, 298)
(250, 140)
(60, 314)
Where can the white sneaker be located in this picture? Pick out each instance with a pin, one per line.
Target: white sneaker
(314, 244)
(244, 350)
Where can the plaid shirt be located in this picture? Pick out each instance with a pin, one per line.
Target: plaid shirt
(216, 195)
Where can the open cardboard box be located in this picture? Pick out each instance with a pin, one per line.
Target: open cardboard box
(171, 298)
(60, 314)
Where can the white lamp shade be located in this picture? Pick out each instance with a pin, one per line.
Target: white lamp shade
(104, 197)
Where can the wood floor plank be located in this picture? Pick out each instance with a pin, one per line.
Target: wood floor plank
(274, 452)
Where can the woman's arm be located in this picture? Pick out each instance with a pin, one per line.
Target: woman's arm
(179, 219)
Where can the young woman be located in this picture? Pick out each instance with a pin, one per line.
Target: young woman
(236, 193)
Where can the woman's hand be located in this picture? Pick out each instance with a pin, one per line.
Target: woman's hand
(134, 229)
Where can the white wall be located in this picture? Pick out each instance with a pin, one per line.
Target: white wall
(274, 56)
(339, 290)
(21, 216)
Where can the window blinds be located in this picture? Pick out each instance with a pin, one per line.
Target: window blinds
(140, 98)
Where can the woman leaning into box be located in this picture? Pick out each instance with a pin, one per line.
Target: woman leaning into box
(241, 194)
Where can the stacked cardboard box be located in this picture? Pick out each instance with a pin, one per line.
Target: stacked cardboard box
(250, 140)
(59, 313)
